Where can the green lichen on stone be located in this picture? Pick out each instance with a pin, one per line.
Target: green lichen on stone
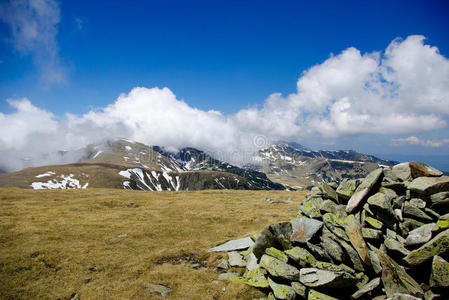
(254, 278)
(299, 288)
(439, 276)
(373, 222)
(442, 224)
(279, 268)
(276, 253)
(282, 291)
(315, 295)
(311, 207)
(301, 256)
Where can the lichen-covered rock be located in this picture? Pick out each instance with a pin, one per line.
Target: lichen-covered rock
(354, 232)
(313, 277)
(301, 256)
(279, 268)
(439, 277)
(363, 189)
(299, 288)
(373, 222)
(420, 235)
(408, 225)
(440, 201)
(429, 185)
(442, 223)
(254, 278)
(371, 234)
(333, 249)
(227, 276)
(380, 205)
(414, 212)
(395, 248)
(273, 236)
(439, 245)
(276, 253)
(311, 207)
(282, 291)
(396, 280)
(304, 229)
(346, 188)
(315, 295)
(328, 191)
(367, 288)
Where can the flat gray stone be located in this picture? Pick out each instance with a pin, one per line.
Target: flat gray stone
(436, 246)
(303, 229)
(369, 287)
(439, 277)
(232, 245)
(251, 262)
(328, 191)
(279, 268)
(363, 189)
(281, 291)
(314, 277)
(235, 259)
(420, 235)
(429, 185)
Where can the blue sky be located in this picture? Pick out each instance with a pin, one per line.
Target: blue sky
(228, 56)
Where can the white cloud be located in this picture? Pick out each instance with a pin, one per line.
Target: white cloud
(404, 90)
(33, 25)
(413, 140)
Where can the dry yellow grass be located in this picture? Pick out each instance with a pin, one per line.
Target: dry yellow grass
(55, 243)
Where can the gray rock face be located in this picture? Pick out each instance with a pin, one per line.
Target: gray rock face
(235, 259)
(439, 277)
(363, 189)
(429, 185)
(420, 235)
(233, 245)
(328, 191)
(279, 268)
(367, 288)
(396, 280)
(439, 245)
(313, 277)
(273, 236)
(346, 188)
(303, 229)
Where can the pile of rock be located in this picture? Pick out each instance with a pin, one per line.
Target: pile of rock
(384, 236)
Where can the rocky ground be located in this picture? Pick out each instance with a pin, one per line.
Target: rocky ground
(385, 236)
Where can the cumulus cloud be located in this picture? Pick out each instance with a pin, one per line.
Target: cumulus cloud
(413, 140)
(33, 25)
(403, 90)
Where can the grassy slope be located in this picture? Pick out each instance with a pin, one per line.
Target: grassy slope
(54, 243)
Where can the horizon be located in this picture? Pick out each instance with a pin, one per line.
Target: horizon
(226, 76)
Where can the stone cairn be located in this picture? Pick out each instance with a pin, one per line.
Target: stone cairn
(382, 237)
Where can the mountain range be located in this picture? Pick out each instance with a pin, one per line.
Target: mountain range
(131, 165)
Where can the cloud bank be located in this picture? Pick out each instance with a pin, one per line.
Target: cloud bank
(402, 90)
(33, 25)
(413, 140)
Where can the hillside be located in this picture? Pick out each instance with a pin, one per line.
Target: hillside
(296, 166)
(130, 165)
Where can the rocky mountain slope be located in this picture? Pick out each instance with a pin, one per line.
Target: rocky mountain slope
(296, 166)
(130, 165)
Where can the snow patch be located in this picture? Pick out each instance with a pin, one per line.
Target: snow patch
(49, 173)
(65, 182)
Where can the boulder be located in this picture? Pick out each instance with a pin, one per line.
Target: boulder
(414, 212)
(301, 256)
(367, 288)
(314, 278)
(439, 277)
(363, 189)
(396, 280)
(420, 235)
(439, 245)
(346, 188)
(276, 253)
(277, 235)
(380, 205)
(353, 230)
(233, 245)
(333, 249)
(254, 278)
(299, 288)
(328, 191)
(282, 291)
(442, 223)
(279, 268)
(235, 259)
(427, 186)
(304, 229)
